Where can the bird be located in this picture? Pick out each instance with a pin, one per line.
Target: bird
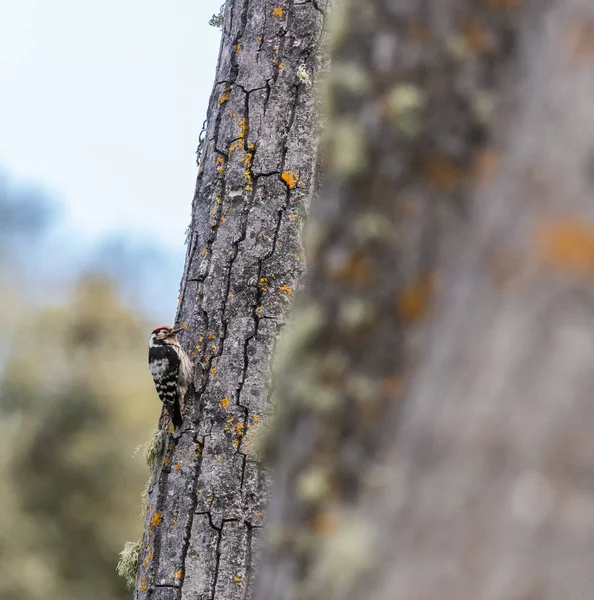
(171, 369)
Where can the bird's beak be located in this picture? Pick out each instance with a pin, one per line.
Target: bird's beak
(176, 331)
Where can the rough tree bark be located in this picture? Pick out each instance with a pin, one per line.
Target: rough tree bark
(446, 453)
(244, 263)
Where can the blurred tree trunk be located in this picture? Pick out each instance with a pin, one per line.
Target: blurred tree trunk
(243, 265)
(445, 453)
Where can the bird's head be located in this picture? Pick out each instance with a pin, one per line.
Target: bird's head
(164, 335)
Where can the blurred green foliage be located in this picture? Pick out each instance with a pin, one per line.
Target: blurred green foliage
(76, 399)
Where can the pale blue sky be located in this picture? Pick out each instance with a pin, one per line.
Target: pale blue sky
(102, 102)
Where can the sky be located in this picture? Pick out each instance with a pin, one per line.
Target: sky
(101, 105)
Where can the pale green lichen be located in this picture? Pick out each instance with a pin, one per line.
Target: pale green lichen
(153, 448)
(303, 76)
(405, 104)
(313, 484)
(218, 20)
(483, 106)
(129, 562)
(343, 555)
(346, 148)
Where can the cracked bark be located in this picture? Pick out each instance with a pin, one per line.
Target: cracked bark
(244, 263)
(446, 453)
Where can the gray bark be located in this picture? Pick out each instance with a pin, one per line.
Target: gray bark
(244, 263)
(441, 447)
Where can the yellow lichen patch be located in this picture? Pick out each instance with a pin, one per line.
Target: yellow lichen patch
(264, 284)
(291, 179)
(260, 38)
(213, 371)
(167, 460)
(243, 127)
(224, 96)
(412, 303)
(222, 219)
(219, 458)
(277, 12)
(566, 245)
(177, 574)
(184, 326)
(178, 466)
(219, 160)
(224, 402)
(157, 518)
(143, 584)
(238, 49)
(211, 336)
(221, 170)
(286, 289)
(281, 66)
(203, 252)
(443, 174)
(237, 578)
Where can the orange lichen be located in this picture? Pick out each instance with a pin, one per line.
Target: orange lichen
(356, 269)
(224, 96)
(177, 574)
(393, 385)
(324, 523)
(412, 303)
(203, 251)
(476, 36)
(264, 284)
(157, 518)
(224, 402)
(443, 174)
(502, 3)
(211, 336)
(237, 578)
(178, 466)
(291, 179)
(566, 245)
(286, 289)
(579, 41)
(213, 371)
(143, 584)
(184, 326)
(277, 12)
(219, 160)
(486, 163)
(418, 32)
(238, 49)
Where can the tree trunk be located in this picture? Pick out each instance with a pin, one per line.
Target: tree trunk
(446, 453)
(243, 266)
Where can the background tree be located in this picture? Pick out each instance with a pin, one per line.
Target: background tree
(447, 457)
(73, 402)
(244, 263)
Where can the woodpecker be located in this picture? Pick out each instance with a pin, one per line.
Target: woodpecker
(171, 369)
